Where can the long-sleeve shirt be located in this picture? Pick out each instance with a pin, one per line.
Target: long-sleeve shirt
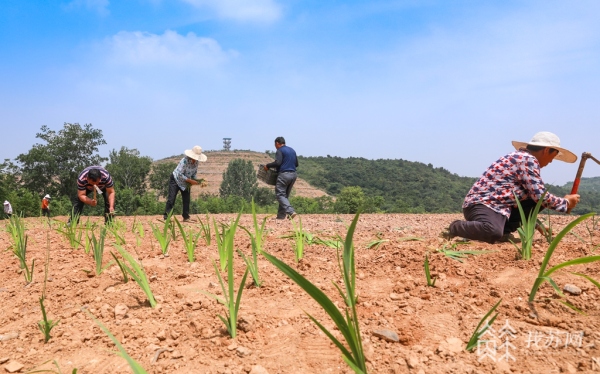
(285, 159)
(516, 173)
(185, 170)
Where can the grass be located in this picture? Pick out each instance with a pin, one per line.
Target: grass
(225, 239)
(46, 325)
(544, 274)
(375, 244)
(346, 323)
(133, 364)
(16, 229)
(230, 300)
(457, 255)
(190, 240)
(98, 250)
(117, 228)
(137, 228)
(163, 236)
(57, 371)
(256, 240)
(527, 229)
(72, 232)
(430, 281)
(205, 229)
(479, 330)
(136, 271)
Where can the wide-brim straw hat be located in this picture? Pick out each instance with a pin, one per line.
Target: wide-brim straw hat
(47, 197)
(548, 139)
(196, 153)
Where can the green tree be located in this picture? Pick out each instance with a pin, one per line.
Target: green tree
(350, 200)
(53, 167)
(159, 177)
(239, 180)
(128, 169)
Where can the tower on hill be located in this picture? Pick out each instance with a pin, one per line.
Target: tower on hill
(227, 144)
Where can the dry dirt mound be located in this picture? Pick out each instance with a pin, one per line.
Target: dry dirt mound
(184, 335)
(217, 161)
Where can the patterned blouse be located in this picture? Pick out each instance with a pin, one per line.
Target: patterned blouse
(185, 170)
(517, 172)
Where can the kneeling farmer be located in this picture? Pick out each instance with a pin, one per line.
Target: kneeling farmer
(490, 208)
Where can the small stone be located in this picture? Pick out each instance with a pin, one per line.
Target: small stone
(13, 367)
(176, 354)
(243, 351)
(257, 369)
(395, 296)
(120, 311)
(412, 361)
(246, 323)
(455, 345)
(9, 336)
(232, 346)
(162, 335)
(572, 289)
(174, 335)
(387, 335)
(4, 359)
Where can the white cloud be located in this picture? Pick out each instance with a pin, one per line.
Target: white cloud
(242, 10)
(169, 49)
(100, 6)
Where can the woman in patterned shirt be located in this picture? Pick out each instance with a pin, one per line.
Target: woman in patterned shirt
(182, 178)
(490, 208)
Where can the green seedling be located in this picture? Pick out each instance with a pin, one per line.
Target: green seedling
(133, 364)
(299, 238)
(375, 244)
(98, 250)
(190, 240)
(346, 323)
(528, 227)
(544, 275)
(137, 228)
(230, 300)
(252, 264)
(164, 236)
(46, 325)
(57, 371)
(259, 230)
(479, 330)
(430, 281)
(71, 231)
(205, 229)
(121, 266)
(136, 271)
(117, 228)
(16, 229)
(336, 243)
(225, 239)
(410, 239)
(457, 255)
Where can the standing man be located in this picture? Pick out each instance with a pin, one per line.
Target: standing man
(7, 208)
(97, 180)
(46, 206)
(490, 208)
(286, 163)
(182, 179)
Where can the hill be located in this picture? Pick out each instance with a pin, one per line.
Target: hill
(217, 161)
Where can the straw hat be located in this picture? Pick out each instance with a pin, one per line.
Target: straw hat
(47, 197)
(196, 153)
(6, 202)
(548, 139)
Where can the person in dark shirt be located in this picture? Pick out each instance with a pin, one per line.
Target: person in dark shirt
(286, 163)
(98, 179)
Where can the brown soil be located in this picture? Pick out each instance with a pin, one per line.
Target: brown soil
(183, 334)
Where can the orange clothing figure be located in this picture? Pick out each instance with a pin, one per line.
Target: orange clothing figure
(46, 206)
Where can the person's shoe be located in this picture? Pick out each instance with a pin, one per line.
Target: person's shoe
(187, 220)
(445, 234)
(292, 216)
(508, 238)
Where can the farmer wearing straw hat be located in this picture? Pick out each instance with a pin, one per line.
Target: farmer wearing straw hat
(182, 178)
(490, 208)
(7, 208)
(95, 180)
(46, 206)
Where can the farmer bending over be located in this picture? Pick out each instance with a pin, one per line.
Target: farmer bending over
(90, 179)
(490, 208)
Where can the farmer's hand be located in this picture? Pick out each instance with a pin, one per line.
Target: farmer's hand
(266, 168)
(573, 200)
(92, 202)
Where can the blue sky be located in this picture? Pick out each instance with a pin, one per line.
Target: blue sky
(450, 83)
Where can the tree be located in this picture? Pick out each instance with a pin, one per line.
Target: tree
(350, 200)
(53, 167)
(239, 180)
(159, 177)
(129, 170)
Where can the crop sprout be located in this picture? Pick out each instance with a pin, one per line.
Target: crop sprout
(590, 228)
(98, 250)
(137, 228)
(544, 275)
(299, 238)
(224, 239)
(375, 244)
(348, 325)
(528, 227)
(230, 300)
(117, 228)
(453, 253)
(46, 325)
(256, 239)
(163, 236)
(136, 271)
(71, 231)
(430, 281)
(205, 229)
(16, 229)
(133, 364)
(190, 240)
(57, 371)
(479, 330)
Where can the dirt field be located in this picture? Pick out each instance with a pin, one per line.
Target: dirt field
(183, 334)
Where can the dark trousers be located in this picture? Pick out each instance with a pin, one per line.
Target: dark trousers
(485, 225)
(46, 213)
(185, 196)
(78, 205)
(283, 188)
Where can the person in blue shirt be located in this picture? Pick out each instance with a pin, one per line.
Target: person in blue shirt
(182, 179)
(286, 163)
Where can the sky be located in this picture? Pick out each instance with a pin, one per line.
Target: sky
(447, 83)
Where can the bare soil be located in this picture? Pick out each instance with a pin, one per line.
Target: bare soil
(183, 334)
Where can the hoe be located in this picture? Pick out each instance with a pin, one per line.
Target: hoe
(584, 157)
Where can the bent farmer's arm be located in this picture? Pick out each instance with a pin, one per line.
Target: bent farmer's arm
(110, 191)
(81, 195)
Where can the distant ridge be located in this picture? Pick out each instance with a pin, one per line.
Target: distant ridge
(217, 161)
